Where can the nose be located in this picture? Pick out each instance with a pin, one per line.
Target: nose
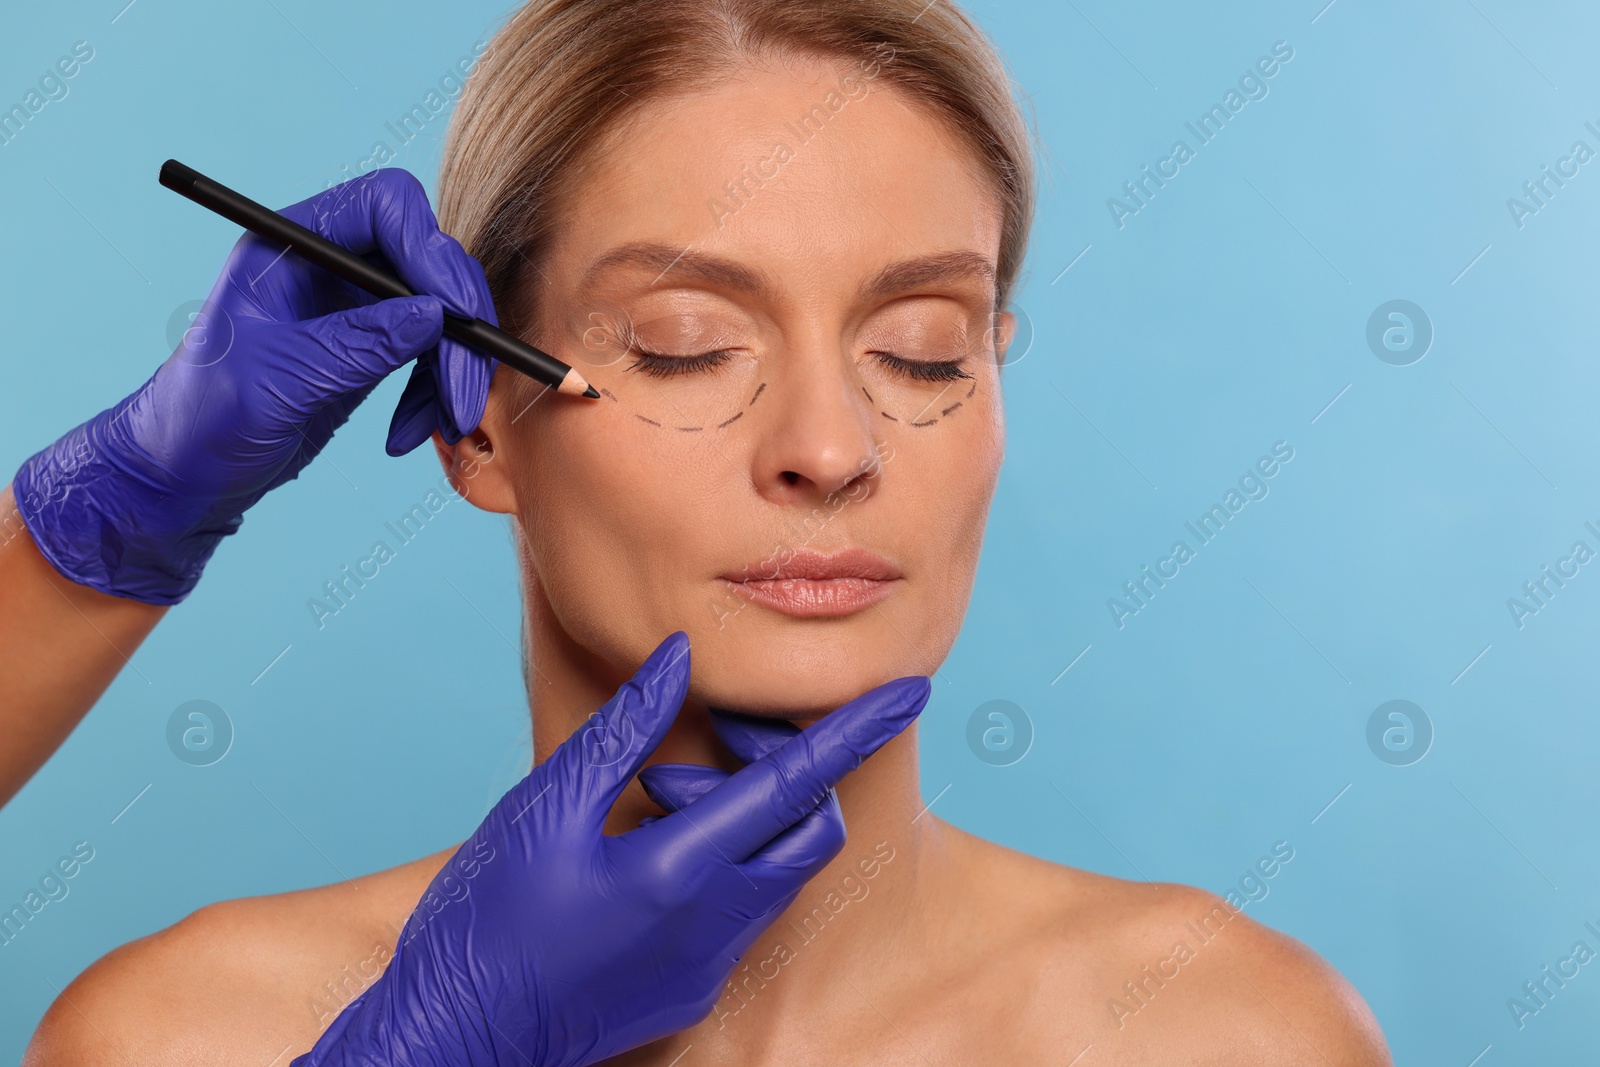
(817, 437)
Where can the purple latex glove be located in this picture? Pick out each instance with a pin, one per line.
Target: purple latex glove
(545, 941)
(675, 786)
(134, 501)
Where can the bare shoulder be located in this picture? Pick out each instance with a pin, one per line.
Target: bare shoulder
(243, 981)
(1159, 972)
(1259, 995)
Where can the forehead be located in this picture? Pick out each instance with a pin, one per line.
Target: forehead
(809, 169)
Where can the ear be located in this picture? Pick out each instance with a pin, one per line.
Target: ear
(1005, 331)
(475, 472)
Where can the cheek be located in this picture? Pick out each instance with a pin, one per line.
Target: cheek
(628, 526)
(614, 518)
(940, 498)
(950, 469)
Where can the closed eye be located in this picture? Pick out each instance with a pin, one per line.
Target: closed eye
(662, 365)
(946, 370)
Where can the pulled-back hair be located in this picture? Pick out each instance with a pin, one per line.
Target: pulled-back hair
(561, 75)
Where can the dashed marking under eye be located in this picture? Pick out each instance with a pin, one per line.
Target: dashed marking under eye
(942, 411)
(609, 393)
(641, 418)
(727, 422)
(888, 416)
(690, 429)
(759, 390)
(869, 395)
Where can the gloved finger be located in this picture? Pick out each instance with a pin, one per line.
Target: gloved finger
(590, 769)
(770, 880)
(461, 382)
(448, 390)
(350, 351)
(387, 211)
(417, 414)
(795, 856)
(761, 800)
(462, 374)
(750, 737)
(677, 785)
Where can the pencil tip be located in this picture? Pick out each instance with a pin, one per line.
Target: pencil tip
(573, 384)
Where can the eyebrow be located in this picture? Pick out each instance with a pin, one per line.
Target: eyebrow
(894, 279)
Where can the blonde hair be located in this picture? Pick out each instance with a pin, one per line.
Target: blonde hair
(562, 74)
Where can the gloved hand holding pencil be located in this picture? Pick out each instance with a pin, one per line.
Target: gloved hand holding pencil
(134, 501)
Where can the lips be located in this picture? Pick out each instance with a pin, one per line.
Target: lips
(809, 584)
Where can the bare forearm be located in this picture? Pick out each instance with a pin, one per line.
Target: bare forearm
(61, 644)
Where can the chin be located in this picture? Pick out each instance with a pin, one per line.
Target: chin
(761, 662)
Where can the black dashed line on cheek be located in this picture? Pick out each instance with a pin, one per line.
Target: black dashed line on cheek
(641, 418)
(942, 411)
(729, 422)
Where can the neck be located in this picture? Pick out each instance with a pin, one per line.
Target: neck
(860, 910)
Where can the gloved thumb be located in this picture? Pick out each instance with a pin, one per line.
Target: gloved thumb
(675, 786)
(750, 737)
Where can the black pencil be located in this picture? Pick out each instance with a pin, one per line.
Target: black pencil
(263, 221)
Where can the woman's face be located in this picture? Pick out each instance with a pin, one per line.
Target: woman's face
(784, 288)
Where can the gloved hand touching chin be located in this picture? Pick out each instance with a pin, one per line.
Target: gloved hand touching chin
(550, 943)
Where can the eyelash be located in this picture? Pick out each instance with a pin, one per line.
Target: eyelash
(945, 370)
(658, 365)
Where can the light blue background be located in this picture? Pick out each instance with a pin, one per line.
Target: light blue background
(1225, 316)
